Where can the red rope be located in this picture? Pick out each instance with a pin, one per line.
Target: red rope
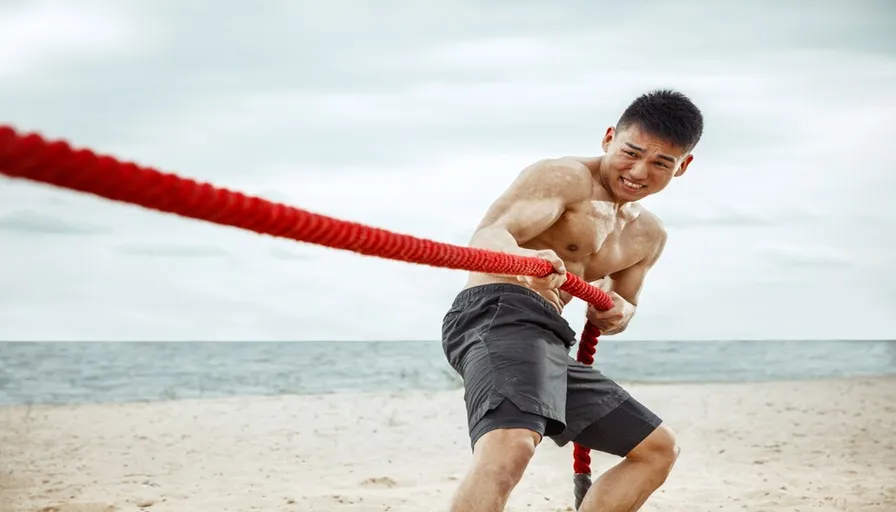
(56, 163)
(587, 347)
(581, 455)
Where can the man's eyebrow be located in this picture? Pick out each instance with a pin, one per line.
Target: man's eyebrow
(664, 157)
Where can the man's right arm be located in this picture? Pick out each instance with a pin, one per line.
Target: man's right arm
(531, 205)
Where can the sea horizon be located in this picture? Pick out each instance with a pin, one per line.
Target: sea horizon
(427, 340)
(73, 372)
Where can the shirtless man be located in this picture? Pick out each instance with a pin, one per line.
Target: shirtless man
(506, 337)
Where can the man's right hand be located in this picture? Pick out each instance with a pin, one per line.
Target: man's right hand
(552, 281)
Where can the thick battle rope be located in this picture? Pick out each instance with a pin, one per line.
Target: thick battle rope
(582, 454)
(32, 157)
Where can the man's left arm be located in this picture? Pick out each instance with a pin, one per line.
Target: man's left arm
(625, 288)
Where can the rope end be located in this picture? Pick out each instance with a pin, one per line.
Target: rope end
(582, 483)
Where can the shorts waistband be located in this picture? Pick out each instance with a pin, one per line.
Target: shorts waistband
(495, 289)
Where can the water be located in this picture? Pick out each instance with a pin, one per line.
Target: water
(60, 373)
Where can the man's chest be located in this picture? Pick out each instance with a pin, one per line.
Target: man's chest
(597, 237)
(613, 256)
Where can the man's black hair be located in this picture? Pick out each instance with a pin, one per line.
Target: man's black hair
(667, 114)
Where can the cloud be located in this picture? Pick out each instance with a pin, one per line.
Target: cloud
(45, 33)
(39, 223)
(177, 251)
(415, 119)
(720, 219)
(286, 254)
(802, 256)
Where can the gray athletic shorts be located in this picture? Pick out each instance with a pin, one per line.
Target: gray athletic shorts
(511, 347)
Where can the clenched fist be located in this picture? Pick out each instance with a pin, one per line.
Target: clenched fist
(614, 320)
(552, 281)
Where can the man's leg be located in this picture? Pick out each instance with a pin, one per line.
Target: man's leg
(504, 442)
(648, 458)
(511, 348)
(604, 417)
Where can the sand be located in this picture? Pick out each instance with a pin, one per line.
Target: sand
(784, 446)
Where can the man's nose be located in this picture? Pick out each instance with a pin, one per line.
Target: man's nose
(639, 170)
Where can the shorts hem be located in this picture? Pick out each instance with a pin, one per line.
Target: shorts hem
(602, 408)
(556, 419)
(649, 428)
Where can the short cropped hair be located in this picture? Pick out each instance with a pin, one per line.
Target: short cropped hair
(667, 114)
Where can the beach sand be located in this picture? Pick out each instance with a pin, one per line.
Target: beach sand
(782, 446)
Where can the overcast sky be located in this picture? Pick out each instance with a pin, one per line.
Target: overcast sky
(414, 116)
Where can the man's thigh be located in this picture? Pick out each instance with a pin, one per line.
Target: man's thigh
(510, 347)
(621, 430)
(601, 415)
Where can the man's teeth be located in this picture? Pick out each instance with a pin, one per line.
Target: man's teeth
(631, 184)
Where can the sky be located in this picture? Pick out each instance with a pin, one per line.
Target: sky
(414, 116)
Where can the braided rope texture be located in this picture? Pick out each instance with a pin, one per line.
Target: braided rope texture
(581, 454)
(32, 157)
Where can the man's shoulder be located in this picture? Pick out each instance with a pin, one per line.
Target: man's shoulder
(561, 174)
(565, 165)
(649, 227)
(649, 221)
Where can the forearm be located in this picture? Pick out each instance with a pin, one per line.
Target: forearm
(629, 308)
(617, 319)
(495, 238)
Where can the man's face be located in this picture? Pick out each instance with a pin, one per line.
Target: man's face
(638, 164)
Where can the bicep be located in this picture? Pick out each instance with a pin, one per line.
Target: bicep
(525, 219)
(536, 200)
(629, 282)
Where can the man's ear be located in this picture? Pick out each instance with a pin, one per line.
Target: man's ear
(608, 138)
(684, 165)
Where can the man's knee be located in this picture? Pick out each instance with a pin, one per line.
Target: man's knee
(660, 449)
(502, 455)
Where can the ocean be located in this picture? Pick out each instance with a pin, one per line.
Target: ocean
(72, 373)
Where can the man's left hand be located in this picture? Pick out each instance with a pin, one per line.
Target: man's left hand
(612, 321)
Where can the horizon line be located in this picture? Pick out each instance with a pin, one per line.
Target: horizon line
(701, 340)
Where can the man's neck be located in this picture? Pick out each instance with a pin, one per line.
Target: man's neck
(602, 191)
